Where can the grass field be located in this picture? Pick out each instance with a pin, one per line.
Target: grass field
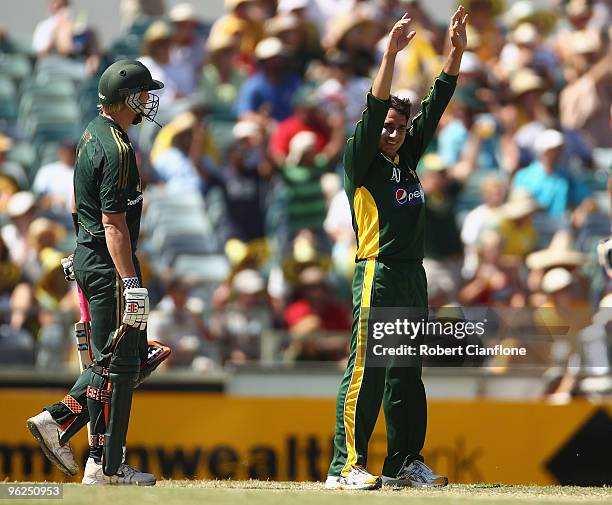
(306, 493)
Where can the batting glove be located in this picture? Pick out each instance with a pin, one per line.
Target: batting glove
(68, 266)
(136, 310)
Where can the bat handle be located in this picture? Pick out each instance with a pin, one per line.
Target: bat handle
(83, 306)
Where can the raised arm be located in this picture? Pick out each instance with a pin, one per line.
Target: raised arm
(433, 105)
(458, 38)
(362, 147)
(399, 38)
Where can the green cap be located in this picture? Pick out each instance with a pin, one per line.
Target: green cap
(123, 78)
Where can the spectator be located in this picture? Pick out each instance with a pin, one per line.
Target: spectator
(521, 236)
(560, 252)
(243, 182)
(292, 32)
(156, 47)
(469, 137)
(181, 167)
(21, 209)
(551, 185)
(53, 182)
(343, 88)
(485, 31)
(584, 102)
(221, 78)
(443, 247)
(565, 307)
(328, 129)
(527, 89)
(239, 327)
(525, 50)
(495, 282)
(243, 18)
(177, 321)
(315, 310)
(302, 176)
(356, 34)
(301, 10)
(134, 10)
(200, 110)
(269, 92)
(488, 214)
(186, 54)
(54, 34)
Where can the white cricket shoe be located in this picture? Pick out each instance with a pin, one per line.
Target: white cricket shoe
(358, 478)
(126, 476)
(416, 474)
(47, 432)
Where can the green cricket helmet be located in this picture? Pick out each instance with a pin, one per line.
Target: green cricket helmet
(123, 81)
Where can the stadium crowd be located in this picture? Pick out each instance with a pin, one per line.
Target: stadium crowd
(247, 232)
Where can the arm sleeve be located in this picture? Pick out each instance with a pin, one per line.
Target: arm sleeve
(424, 124)
(361, 149)
(113, 196)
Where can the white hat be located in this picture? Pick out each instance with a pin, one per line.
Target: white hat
(268, 48)
(20, 203)
(548, 139)
(248, 282)
(290, 5)
(525, 33)
(470, 63)
(245, 129)
(555, 280)
(182, 12)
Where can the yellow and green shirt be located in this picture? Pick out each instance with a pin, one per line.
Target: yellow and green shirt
(386, 196)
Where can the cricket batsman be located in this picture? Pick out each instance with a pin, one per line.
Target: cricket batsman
(108, 204)
(388, 211)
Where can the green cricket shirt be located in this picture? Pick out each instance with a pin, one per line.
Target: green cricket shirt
(106, 180)
(386, 197)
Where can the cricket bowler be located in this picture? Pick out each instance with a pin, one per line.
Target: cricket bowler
(108, 203)
(388, 211)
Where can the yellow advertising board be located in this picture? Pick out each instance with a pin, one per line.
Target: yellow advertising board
(203, 435)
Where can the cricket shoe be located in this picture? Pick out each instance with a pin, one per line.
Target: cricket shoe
(416, 474)
(125, 476)
(47, 432)
(358, 478)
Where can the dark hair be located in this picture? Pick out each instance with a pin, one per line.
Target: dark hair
(401, 105)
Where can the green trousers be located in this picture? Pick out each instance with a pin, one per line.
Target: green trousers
(116, 348)
(380, 283)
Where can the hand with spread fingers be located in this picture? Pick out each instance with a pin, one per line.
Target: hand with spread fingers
(400, 37)
(457, 29)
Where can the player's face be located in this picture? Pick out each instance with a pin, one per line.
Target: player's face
(393, 132)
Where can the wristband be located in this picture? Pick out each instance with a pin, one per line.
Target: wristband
(131, 283)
